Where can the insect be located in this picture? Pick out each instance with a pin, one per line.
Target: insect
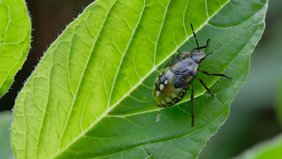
(179, 74)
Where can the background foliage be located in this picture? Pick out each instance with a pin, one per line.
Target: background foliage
(15, 37)
(5, 133)
(268, 149)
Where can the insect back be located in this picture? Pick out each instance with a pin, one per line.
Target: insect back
(173, 81)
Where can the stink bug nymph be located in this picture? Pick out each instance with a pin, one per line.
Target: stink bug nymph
(175, 78)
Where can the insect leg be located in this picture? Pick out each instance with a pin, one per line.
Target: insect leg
(198, 48)
(203, 83)
(207, 43)
(201, 47)
(192, 103)
(205, 57)
(195, 36)
(215, 74)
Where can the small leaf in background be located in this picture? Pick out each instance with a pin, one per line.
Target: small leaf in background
(91, 94)
(15, 35)
(5, 133)
(271, 149)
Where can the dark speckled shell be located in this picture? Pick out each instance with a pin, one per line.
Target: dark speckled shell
(174, 80)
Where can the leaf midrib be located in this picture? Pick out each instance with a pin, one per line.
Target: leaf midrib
(137, 84)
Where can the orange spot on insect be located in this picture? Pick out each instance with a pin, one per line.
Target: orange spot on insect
(181, 94)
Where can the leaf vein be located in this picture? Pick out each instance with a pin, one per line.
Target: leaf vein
(83, 73)
(160, 32)
(124, 54)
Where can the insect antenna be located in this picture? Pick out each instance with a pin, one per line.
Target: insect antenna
(195, 37)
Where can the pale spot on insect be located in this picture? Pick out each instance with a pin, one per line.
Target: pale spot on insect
(181, 94)
(163, 102)
(168, 99)
(166, 82)
(161, 86)
(173, 95)
(157, 93)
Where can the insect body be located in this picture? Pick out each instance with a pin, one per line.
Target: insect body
(175, 78)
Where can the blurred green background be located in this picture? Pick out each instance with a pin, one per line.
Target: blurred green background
(253, 116)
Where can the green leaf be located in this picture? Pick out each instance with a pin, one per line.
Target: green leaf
(15, 34)
(91, 94)
(268, 149)
(5, 125)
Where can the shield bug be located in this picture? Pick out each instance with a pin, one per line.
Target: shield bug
(179, 74)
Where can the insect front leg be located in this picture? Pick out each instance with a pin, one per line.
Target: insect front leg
(201, 47)
(207, 43)
(215, 74)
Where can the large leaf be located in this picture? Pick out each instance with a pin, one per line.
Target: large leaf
(268, 149)
(5, 133)
(15, 34)
(91, 94)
